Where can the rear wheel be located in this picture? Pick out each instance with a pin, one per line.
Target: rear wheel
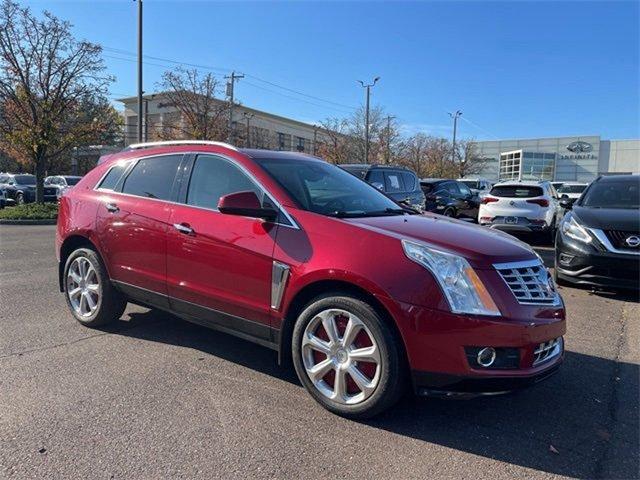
(91, 297)
(20, 199)
(347, 357)
(449, 212)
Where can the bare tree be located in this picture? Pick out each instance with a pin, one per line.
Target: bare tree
(52, 90)
(202, 116)
(335, 143)
(472, 163)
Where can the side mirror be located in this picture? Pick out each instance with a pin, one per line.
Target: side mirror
(566, 203)
(245, 204)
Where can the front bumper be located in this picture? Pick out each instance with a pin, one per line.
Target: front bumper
(592, 267)
(439, 343)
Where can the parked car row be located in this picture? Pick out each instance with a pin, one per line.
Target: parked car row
(20, 188)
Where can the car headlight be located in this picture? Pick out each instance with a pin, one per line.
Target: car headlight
(572, 229)
(462, 287)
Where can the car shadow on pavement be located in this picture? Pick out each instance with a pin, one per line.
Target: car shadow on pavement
(582, 422)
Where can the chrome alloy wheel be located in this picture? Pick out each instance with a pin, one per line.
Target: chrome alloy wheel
(83, 287)
(341, 357)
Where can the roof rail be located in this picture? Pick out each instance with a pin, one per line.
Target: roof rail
(136, 146)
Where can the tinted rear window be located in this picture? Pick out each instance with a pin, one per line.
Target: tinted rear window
(25, 179)
(111, 179)
(572, 189)
(516, 191)
(153, 177)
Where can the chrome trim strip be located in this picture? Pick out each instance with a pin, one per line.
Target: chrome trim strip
(524, 264)
(604, 240)
(547, 351)
(279, 276)
(137, 146)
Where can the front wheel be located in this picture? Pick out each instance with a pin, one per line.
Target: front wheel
(20, 199)
(347, 357)
(91, 297)
(449, 212)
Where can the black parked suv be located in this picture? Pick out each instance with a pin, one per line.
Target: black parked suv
(399, 183)
(598, 241)
(20, 188)
(450, 198)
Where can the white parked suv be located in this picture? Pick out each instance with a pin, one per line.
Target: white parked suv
(521, 206)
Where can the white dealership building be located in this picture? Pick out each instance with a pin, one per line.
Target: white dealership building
(579, 158)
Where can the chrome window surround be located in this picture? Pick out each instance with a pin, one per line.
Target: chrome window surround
(547, 350)
(528, 299)
(279, 276)
(133, 161)
(602, 238)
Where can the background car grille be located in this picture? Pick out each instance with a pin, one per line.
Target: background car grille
(618, 238)
(49, 191)
(531, 284)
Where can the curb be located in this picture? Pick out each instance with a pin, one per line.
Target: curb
(47, 221)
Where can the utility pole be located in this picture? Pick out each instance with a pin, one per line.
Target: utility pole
(139, 71)
(455, 116)
(366, 116)
(388, 157)
(146, 120)
(230, 84)
(248, 117)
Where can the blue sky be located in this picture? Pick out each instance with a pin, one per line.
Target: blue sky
(515, 69)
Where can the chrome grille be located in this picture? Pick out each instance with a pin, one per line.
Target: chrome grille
(547, 350)
(530, 282)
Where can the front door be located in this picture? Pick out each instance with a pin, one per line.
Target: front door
(219, 267)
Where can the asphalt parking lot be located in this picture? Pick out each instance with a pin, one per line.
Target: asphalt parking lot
(156, 397)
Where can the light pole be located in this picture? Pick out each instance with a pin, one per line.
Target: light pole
(455, 116)
(248, 117)
(366, 116)
(139, 71)
(230, 85)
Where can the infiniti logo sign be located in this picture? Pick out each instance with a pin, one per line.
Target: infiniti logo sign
(579, 147)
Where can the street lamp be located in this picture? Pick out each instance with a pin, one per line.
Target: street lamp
(366, 116)
(248, 117)
(139, 71)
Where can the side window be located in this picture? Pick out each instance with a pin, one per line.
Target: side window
(393, 182)
(214, 177)
(153, 177)
(464, 189)
(453, 189)
(4, 178)
(409, 181)
(376, 178)
(110, 180)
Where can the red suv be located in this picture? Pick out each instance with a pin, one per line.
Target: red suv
(291, 252)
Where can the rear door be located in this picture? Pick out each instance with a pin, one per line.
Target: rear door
(133, 221)
(219, 267)
(468, 202)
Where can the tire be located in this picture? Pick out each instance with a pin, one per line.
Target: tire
(20, 199)
(449, 212)
(85, 271)
(383, 379)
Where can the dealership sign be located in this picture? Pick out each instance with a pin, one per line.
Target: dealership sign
(579, 151)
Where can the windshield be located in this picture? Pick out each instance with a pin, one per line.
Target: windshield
(572, 189)
(470, 183)
(72, 180)
(25, 179)
(326, 189)
(613, 194)
(516, 191)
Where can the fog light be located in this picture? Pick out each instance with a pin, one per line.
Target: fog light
(486, 356)
(565, 259)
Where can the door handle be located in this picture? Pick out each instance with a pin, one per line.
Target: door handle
(183, 228)
(112, 207)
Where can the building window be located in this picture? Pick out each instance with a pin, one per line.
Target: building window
(284, 141)
(300, 147)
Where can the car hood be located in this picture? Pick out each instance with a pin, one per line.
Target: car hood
(627, 219)
(481, 246)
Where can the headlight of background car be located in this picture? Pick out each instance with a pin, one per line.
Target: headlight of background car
(461, 285)
(572, 229)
